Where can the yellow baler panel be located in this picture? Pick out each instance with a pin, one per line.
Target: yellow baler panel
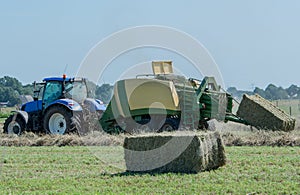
(146, 93)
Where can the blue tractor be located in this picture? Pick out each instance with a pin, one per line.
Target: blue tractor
(61, 105)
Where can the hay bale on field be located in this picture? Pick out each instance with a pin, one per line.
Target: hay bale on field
(262, 114)
(174, 152)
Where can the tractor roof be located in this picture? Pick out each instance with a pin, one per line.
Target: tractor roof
(61, 79)
(56, 79)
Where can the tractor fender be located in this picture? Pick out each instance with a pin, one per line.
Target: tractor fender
(68, 103)
(23, 114)
(94, 104)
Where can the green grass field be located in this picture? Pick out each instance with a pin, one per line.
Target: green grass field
(2, 120)
(76, 170)
(5, 112)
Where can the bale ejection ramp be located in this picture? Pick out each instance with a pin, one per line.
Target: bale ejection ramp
(262, 114)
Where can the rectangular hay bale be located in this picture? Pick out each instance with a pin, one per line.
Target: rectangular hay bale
(262, 114)
(174, 152)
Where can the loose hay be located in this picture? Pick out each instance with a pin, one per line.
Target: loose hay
(177, 152)
(262, 114)
(261, 138)
(31, 139)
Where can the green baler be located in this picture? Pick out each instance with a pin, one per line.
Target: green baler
(163, 102)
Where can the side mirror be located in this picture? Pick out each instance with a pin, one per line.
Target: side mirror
(34, 85)
(35, 92)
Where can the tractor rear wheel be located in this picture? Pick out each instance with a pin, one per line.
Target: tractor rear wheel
(14, 125)
(58, 120)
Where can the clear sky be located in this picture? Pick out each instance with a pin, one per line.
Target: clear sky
(253, 42)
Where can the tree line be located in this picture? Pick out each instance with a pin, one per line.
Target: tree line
(271, 92)
(11, 89)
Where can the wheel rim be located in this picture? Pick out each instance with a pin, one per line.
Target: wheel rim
(14, 128)
(144, 128)
(57, 124)
(167, 127)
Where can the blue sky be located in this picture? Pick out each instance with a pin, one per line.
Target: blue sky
(254, 42)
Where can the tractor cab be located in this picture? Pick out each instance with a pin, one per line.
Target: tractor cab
(56, 88)
(60, 106)
(64, 88)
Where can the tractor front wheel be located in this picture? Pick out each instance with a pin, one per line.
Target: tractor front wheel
(14, 125)
(58, 120)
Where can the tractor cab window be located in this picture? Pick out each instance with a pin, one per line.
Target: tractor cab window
(52, 92)
(76, 90)
(39, 93)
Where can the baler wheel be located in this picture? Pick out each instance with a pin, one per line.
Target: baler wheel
(167, 126)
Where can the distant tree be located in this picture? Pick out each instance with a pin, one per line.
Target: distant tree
(104, 92)
(91, 89)
(293, 91)
(232, 90)
(260, 92)
(282, 94)
(3, 94)
(12, 83)
(270, 92)
(11, 89)
(238, 93)
(275, 93)
(10, 95)
(27, 90)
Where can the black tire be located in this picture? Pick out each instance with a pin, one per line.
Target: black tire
(203, 125)
(77, 124)
(14, 124)
(169, 125)
(90, 121)
(59, 120)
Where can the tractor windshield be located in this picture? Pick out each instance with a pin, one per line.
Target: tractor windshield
(76, 90)
(52, 91)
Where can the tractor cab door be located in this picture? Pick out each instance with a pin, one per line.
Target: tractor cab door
(52, 92)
